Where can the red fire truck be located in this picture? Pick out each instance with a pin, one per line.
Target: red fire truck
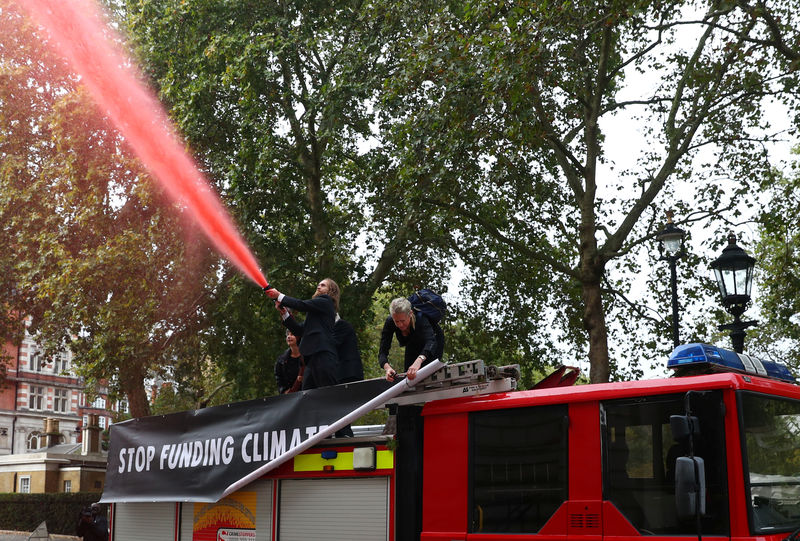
(712, 453)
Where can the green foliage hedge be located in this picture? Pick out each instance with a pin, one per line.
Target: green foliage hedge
(24, 512)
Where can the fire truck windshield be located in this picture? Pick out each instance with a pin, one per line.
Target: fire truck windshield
(771, 458)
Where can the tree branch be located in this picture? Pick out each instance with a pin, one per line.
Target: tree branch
(494, 232)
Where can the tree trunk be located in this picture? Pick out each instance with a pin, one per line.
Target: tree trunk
(592, 269)
(594, 321)
(132, 382)
(319, 221)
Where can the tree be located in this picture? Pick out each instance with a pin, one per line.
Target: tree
(778, 271)
(22, 62)
(510, 111)
(278, 101)
(374, 142)
(201, 386)
(98, 264)
(776, 250)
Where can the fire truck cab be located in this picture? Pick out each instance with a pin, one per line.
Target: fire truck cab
(599, 461)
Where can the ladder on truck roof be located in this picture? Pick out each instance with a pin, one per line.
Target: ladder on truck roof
(465, 379)
(476, 378)
(461, 379)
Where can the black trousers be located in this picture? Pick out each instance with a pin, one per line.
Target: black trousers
(320, 370)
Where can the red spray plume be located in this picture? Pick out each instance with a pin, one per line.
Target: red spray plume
(78, 32)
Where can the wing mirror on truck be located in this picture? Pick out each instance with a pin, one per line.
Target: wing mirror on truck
(684, 428)
(690, 473)
(690, 487)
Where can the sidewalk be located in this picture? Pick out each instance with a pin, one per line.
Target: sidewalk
(5, 535)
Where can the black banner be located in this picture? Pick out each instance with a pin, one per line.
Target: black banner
(196, 455)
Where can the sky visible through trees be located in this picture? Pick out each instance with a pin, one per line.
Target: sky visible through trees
(535, 149)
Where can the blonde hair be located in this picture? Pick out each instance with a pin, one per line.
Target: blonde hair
(333, 291)
(401, 305)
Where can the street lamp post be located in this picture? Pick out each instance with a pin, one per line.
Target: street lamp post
(734, 273)
(670, 248)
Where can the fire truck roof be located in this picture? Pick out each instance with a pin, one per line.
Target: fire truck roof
(717, 359)
(703, 362)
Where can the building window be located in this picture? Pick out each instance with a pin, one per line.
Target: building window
(67, 485)
(36, 397)
(60, 400)
(101, 421)
(518, 466)
(38, 362)
(122, 406)
(60, 364)
(33, 441)
(25, 484)
(99, 403)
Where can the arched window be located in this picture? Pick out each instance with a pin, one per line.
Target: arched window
(33, 440)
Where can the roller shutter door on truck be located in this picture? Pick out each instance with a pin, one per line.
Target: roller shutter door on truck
(239, 507)
(144, 521)
(334, 509)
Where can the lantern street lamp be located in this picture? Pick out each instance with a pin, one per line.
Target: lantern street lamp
(670, 249)
(734, 273)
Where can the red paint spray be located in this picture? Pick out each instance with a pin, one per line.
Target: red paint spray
(79, 33)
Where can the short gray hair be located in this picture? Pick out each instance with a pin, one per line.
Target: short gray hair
(401, 305)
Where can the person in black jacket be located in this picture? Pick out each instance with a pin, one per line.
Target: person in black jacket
(350, 367)
(317, 344)
(414, 332)
(92, 524)
(289, 366)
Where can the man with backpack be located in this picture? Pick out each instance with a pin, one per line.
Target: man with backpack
(415, 324)
(432, 306)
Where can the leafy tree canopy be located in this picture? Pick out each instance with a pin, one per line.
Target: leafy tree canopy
(778, 272)
(510, 109)
(378, 143)
(279, 101)
(94, 261)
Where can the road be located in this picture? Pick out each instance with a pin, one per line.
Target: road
(23, 536)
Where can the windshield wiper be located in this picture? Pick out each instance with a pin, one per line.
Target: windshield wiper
(793, 536)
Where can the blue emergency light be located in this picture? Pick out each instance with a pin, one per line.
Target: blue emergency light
(717, 359)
